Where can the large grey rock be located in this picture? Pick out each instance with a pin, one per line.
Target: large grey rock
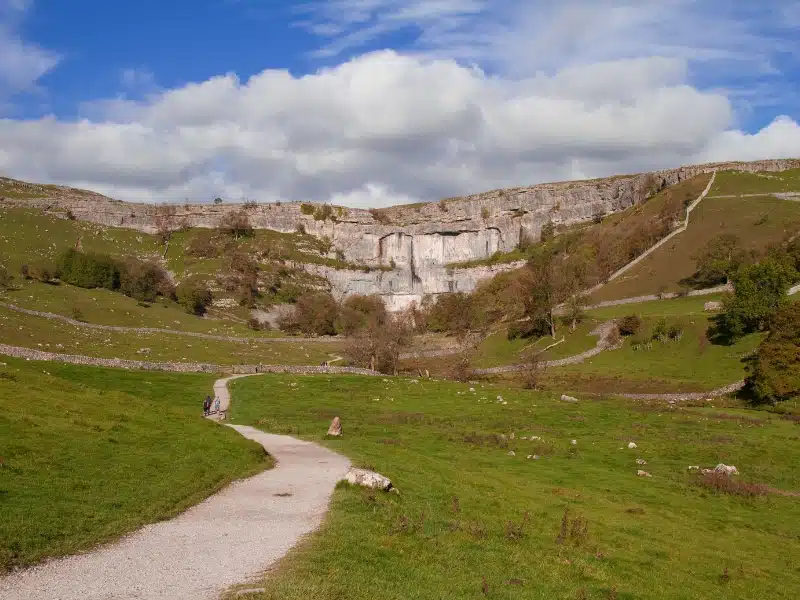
(712, 306)
(565, 398)
(368, 479)
(726, 469)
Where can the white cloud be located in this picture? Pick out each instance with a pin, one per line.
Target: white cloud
(387, 128)
(22, 63)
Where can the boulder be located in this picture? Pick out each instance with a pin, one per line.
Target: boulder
(641, 461)
(512, 453)
(694, 468)
(368, 479)
(574, 442)
(631, 445)
(565, 398)
(712, 306)
(641, 473)
(726, 469)
(336, 427)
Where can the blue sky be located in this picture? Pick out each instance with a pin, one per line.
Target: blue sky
(409, 99)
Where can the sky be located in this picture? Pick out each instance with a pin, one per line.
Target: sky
(370, 103)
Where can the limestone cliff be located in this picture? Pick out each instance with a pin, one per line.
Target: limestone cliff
(418, 241)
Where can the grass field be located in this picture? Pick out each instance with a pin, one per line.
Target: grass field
(689, 305)
(758, 221)
(467, 510)
(90, 454)
(729, 182)
(18, 329)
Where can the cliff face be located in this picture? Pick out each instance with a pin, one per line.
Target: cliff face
(417, 240)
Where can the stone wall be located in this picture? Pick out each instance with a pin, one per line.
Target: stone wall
(143, 365)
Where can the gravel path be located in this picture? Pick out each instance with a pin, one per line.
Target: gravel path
(228, 539)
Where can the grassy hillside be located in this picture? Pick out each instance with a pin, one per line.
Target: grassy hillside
(758, 221)
(85, 452)
(18, 329)
(469, 512)
(728, 182)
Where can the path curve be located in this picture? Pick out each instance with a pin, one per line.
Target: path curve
(226, 540)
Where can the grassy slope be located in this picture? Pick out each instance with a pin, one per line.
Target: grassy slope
(691, 364)
(44, 334)
(758, 221)
(415, 545)
(85, 452)
(728, 182)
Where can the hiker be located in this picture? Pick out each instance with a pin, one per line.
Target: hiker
(206, 405)
(216, 405)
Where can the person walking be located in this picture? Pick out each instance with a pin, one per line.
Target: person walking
(216, 405)
(206, 406)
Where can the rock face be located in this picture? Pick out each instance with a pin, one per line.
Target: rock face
(417, 242)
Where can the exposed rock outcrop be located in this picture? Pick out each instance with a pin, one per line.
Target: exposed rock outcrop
(417, 241)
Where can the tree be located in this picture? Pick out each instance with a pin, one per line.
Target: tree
(88, 270)
(452, 313)
(144, 281)
(217, 200)
(629, 325)
(360, 312)
(194, 296)
(379, 346)
(759, 290)
(316, 313)
(774, 372)
(719, 259)
(548, 231)
(236, 224)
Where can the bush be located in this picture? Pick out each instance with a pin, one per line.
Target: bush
(452, 313)
(307, 209)
(300, 228)
(548, 232)
(88, 270)
(42, 272)
(24, 270)
(315, 314)
(774, 371)
(236, 224)
(361, 312)
(144, 281)
(5, 278)
(379, 346)
(194, 296)
(629, 325)
(254, 324)
(528, 328)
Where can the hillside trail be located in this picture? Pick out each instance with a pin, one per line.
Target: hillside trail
(228, 539)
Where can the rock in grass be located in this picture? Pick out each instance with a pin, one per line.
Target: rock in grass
(336, 427)
(368, 479)
(726, 469)
(631, 445)
(694, 468)
(641, 461)
(641, 473)
(565, 398)
(512, 453)
(712, 306)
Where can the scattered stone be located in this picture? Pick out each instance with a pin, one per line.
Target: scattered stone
(512, 453)
(694, 468)
(368, 479)
(533, 457)
(726, 469)
(641, 461)
(499, 398)
(631, 445)
(472, 390)
(671, 402)
(512, 436)
(336, 427)
(565, 398)
(535, 437)
(641, 473)
(574, 442)
(712, 306)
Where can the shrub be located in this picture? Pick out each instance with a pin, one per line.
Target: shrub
(300, 228)
(194, 296)
(42, 272)
(774, 371)
(307, 209)
(629, 325)
(548, 231)
(316, 313)
(381, 216)
(236, 224)
(484, 213)
(323, 212)
(442, 205)
(660, 330)
(379, 346)
(144, 281)
(254, 324)
(452, 313)
(5, 278)
(88, 270)
(528, 328)
(361, 312)
(723, 483)
(675, 332)
(24, 270)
